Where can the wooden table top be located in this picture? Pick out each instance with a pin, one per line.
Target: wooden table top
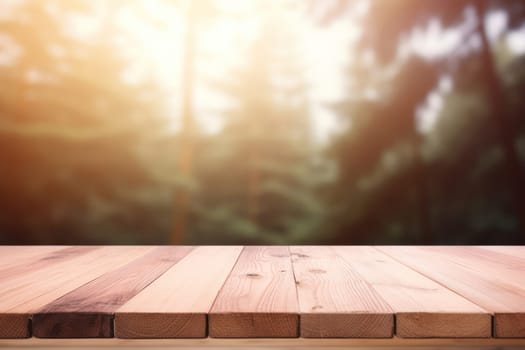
(262, 292)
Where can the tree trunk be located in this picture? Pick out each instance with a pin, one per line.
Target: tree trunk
(185, 158)
(503, 120)
(423, 201)
(254, 184)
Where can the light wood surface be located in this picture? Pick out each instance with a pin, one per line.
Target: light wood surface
(494, 292)
(401, 294)
(334, 300)
(87, 312)
(507, 269)
(268, 343)
(258, 298)
(193, 285)
(11, 256)
(44, 261)
(424, 308)
(516, 251)
(22, 296)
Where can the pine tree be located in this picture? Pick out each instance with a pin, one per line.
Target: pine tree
(256, 178)
(72, 139)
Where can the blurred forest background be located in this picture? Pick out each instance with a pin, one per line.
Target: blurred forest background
(262, 122)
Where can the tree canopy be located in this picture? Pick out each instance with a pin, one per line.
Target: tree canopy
(144, 122)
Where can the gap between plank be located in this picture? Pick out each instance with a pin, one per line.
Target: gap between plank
(296, 292)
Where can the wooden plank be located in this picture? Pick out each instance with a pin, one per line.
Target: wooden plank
(276, 343)
(40, 258)
(22, 296)
(334, 300)
(514, 250)
(424, 308)
(11, 256)
(504, 300)
(259, 297)
(504, 268)
(87, 312)
(177, 303)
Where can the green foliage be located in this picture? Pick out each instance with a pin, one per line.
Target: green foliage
(257, 180)
(449, 184)
(85, 157)
(72, 164)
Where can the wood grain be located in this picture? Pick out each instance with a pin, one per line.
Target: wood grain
(276, 343)
(471, 281)
(36, 261)
(87, 311)
(251, 292)
(259, 298)
(505, 268)
(27, 293)
(14, 326)
(334, 300)
(515, 251)
(177, 303)
(11, 256)
(424, 308)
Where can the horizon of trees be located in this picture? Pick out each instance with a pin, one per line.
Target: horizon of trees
(429, 148)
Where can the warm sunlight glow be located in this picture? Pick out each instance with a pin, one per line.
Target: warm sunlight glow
(261, 121)
(159, 49)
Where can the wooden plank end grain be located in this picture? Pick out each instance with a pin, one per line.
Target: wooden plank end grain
(509, 325)
(73, 325)
(15, 326)
(162, 325)
(443, 325)
(254, 325)
(347, 325)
